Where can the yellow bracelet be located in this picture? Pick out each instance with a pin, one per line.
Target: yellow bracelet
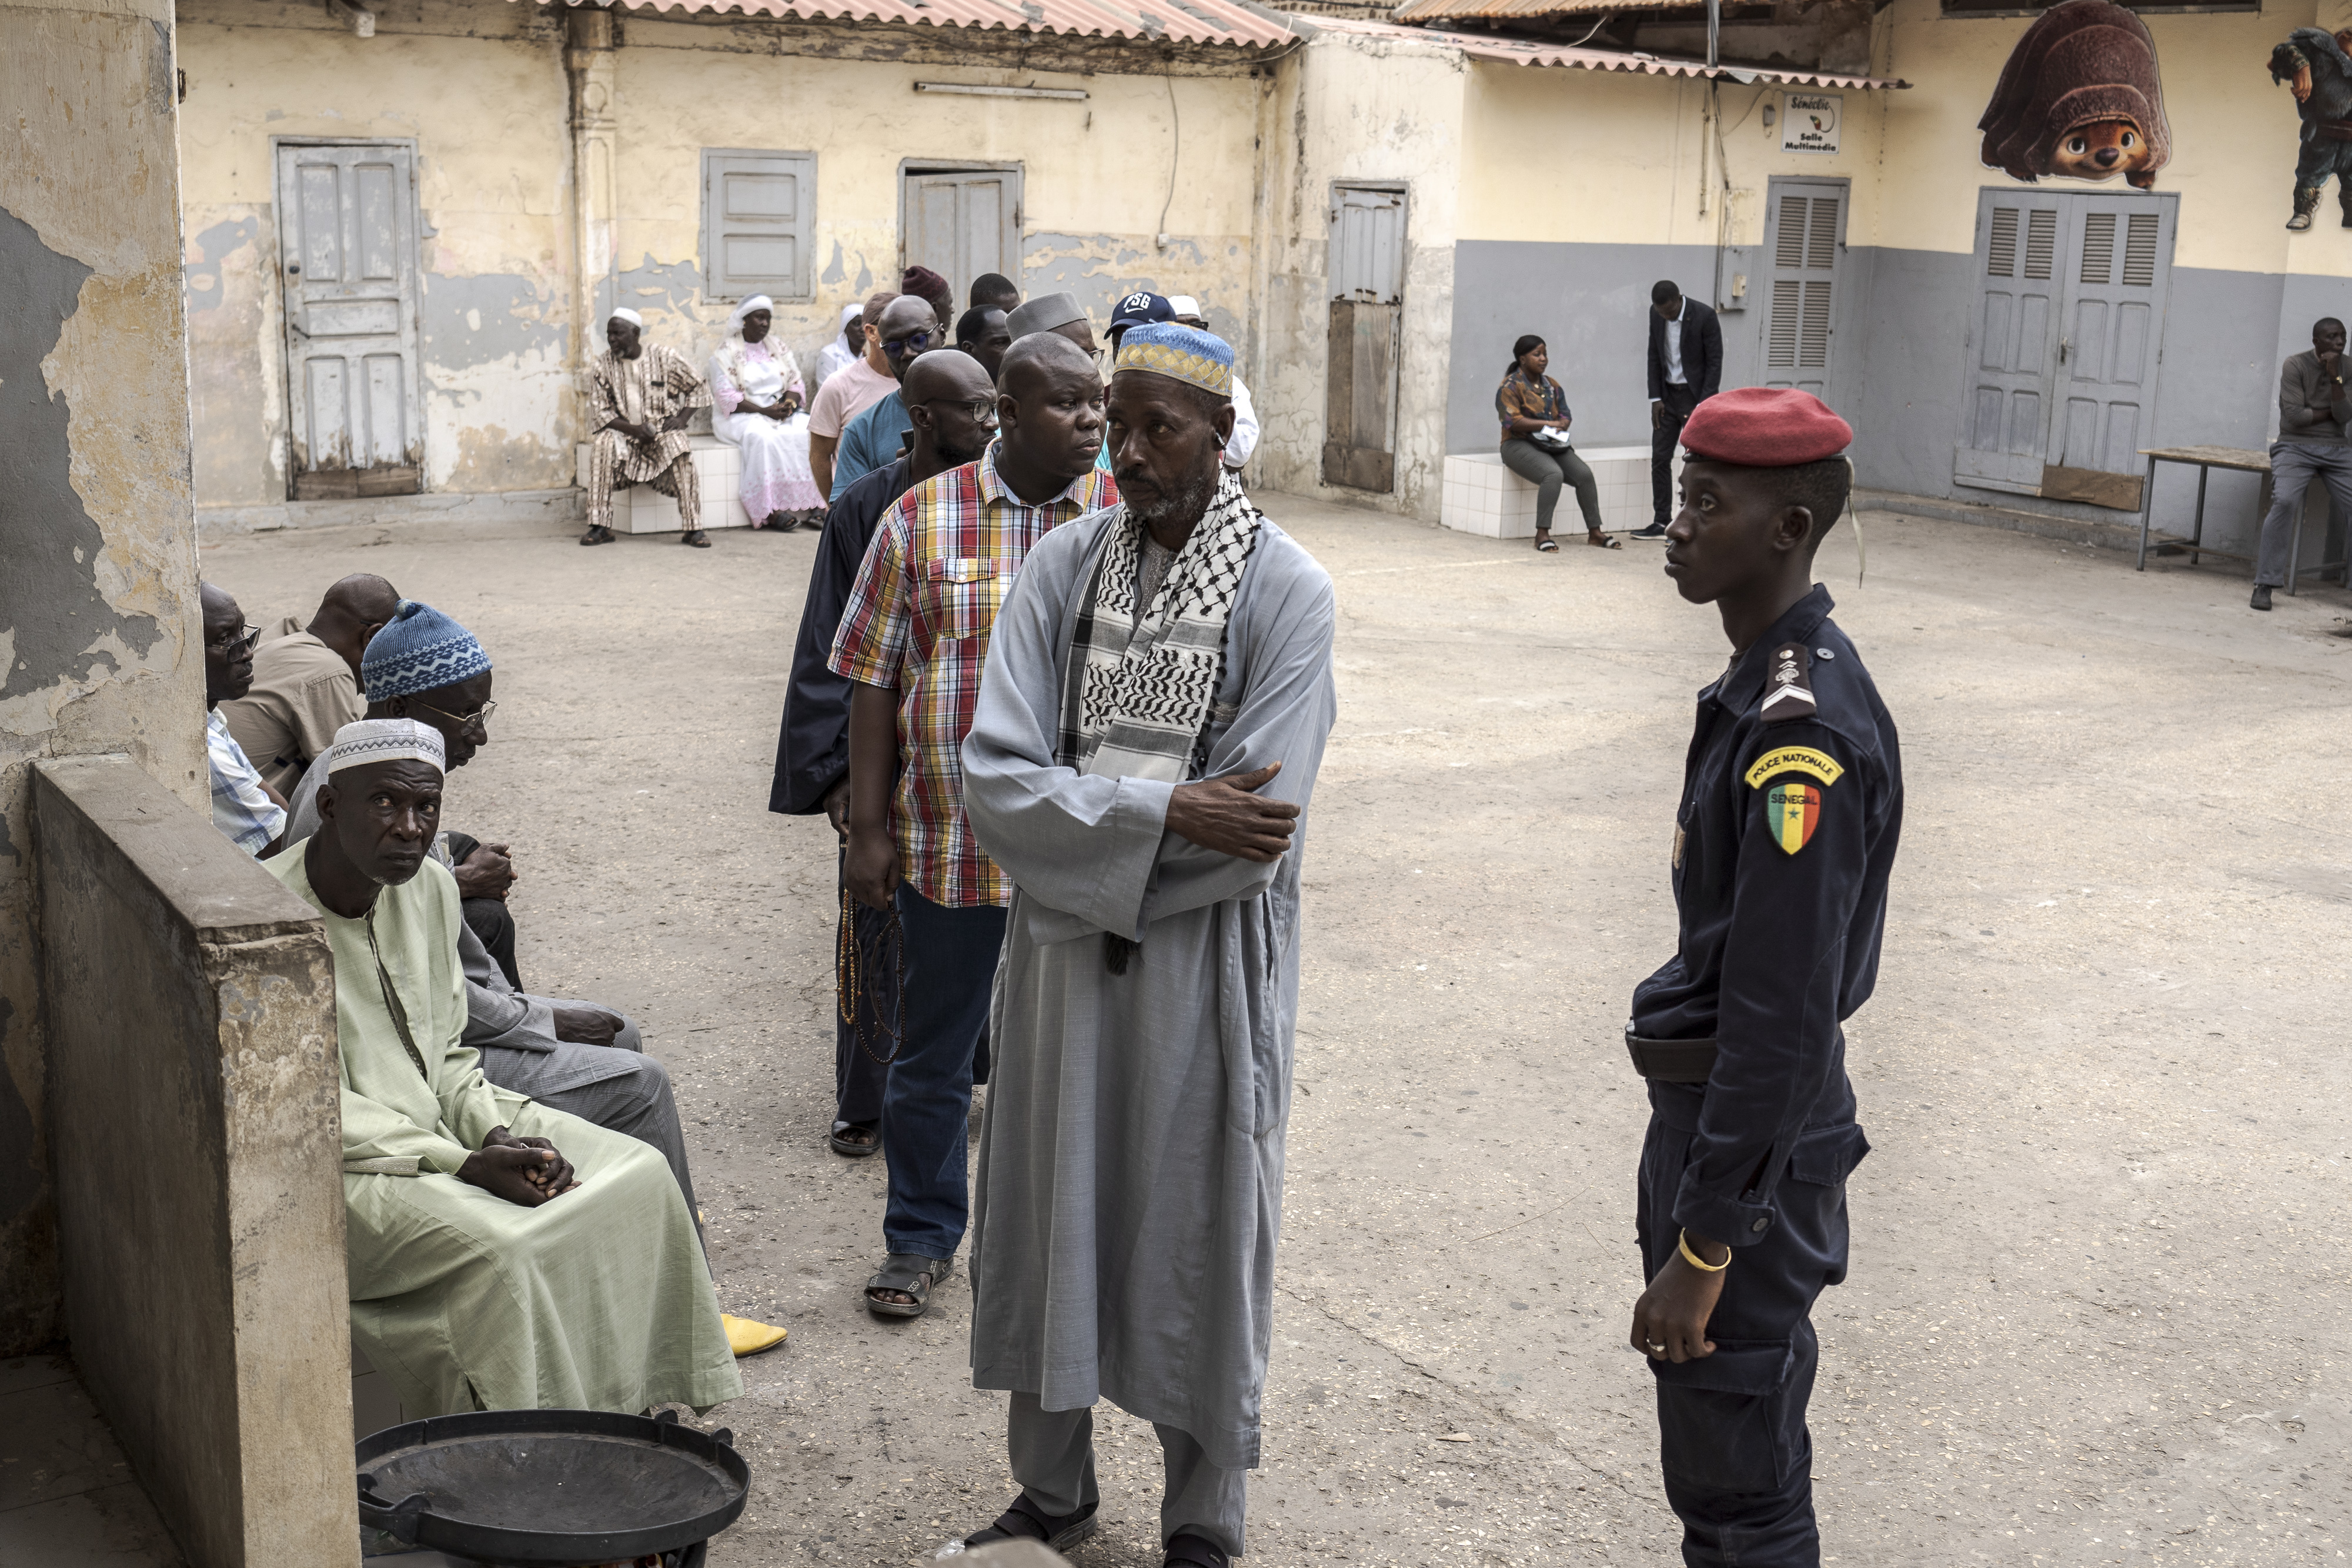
(1682, 1246)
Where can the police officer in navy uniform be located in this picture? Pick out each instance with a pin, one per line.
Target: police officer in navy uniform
(1791, 803)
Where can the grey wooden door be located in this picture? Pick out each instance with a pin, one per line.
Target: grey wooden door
(962, 222)
(2063, 342)
(1367, 306)
(1804, 239)
(347, 233)
(2110, 332)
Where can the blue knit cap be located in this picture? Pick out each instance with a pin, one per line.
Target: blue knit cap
(1185, 353)
(418, 649)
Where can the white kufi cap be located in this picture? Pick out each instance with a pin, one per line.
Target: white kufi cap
(387, 740)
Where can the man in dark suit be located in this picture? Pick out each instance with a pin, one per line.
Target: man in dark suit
(1685, 368)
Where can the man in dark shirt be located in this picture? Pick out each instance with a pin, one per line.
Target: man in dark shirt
(2314, 415)
(1792, 804)
(812, 747)
(1685, 368)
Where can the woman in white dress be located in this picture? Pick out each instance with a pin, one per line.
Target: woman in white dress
(756, 392)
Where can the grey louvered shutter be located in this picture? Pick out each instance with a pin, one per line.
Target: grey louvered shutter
(758, 212)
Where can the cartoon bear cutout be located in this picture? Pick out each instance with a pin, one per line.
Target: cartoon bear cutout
(2080, 99)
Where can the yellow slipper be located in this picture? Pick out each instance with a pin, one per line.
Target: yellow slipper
(745, 1337)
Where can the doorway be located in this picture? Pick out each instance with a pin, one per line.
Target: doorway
(1804, 240)
(1367, 310)
(960, 220)
(347, 241)
(2064, 343)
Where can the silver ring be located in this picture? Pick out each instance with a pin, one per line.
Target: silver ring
(1657, 1349)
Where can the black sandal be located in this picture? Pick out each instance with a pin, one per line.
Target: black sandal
(912, 1274)
(843, 1144)
(1024, 1521)
(597, 534)
(1599, 540)
(1195, 1552)
(697, 538)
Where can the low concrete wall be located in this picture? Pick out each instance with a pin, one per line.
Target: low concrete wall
(194, 1112)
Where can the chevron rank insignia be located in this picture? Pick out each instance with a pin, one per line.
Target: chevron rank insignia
(1791, 812)
(1787, 685)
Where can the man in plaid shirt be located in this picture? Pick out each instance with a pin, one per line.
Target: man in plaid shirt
(913, 639)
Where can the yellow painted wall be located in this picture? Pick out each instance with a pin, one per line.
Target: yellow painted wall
(480, 87)
(1096, 174)
(1347, 109)
(488, 117)
(2233, 137)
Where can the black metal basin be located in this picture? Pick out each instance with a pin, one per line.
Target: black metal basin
(550, 1489)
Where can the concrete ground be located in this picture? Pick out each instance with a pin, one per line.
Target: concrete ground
(2096, 1307)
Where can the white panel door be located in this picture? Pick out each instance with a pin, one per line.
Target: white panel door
(347, 233)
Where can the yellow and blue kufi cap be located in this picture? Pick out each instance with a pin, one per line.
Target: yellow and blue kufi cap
(1182, 353)
(418, 649)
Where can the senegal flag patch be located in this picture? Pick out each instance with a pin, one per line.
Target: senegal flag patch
(1793, 811)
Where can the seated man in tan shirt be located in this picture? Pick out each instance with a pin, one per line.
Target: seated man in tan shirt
(306, 681)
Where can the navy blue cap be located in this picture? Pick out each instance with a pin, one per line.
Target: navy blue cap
(1139, 308)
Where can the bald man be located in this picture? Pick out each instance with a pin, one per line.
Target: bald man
(306, 680)
(950, 404)
(913, 639)
(906, 331)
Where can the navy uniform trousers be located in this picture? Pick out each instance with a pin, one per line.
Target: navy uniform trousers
(1739, 1461)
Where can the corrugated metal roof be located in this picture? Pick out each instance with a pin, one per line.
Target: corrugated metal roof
(1174, 21)
(1419, 11)
(1533, 52)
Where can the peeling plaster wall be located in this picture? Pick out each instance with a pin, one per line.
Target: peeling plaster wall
(100, 647)
(1095, 174)
(479, 91)
(1349, 107)
(478, 87)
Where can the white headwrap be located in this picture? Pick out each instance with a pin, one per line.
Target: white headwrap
(757, 302)
(623, 313)
(1183, 305)
(387, 740)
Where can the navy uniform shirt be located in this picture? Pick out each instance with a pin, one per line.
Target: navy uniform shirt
(813, 746)
(1792, 801)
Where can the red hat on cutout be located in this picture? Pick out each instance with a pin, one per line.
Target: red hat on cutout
(1765, 427)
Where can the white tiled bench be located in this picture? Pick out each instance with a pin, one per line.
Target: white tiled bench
(1482, 496)
(642, 509)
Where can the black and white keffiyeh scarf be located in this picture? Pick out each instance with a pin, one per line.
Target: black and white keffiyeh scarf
(1142, 682)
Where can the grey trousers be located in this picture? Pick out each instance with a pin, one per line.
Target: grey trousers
(2293, 466)
(1052, 1454)
(1548, 468)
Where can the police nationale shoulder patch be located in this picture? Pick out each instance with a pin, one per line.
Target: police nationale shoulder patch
(1795, 759)
(1793, 811)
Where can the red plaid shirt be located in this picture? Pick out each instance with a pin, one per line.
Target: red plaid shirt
(917, 621)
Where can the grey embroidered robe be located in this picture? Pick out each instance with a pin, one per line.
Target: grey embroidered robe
(1129, 1188)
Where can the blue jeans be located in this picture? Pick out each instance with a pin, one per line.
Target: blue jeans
(951, 968)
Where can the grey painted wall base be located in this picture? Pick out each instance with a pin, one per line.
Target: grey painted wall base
(1900, 346)
(2113, 535)
(567, 504)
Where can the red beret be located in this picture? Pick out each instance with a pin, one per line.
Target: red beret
(1765, 427)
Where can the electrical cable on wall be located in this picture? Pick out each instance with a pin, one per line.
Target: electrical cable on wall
(1175, 144)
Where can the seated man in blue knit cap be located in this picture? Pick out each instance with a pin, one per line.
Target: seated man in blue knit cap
(574, 1056)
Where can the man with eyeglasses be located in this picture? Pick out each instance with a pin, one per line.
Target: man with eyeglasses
(247, 811)
(953, 406)
(913, 639)
(908, 329)
(575, 1055)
